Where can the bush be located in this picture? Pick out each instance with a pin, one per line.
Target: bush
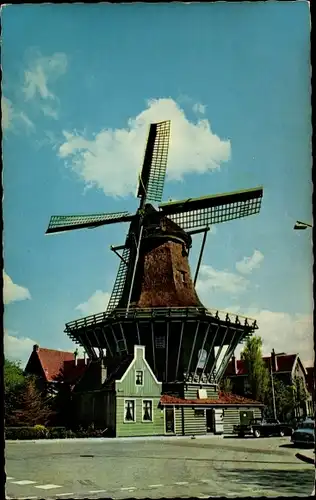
(41, 432)
(23, 433)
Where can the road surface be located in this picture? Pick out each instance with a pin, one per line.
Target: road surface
(174, 467)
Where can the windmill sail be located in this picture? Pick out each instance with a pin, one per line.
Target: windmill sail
(152, 177)
(213, 209)
(119, 281)
(60, 223)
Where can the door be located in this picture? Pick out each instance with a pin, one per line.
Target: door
(219, 421)
(245, 417)
(169, 421)
(210, 420)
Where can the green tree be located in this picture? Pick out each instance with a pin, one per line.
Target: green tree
(14, 382)
(283, 395)
(258, 375)
(13, 375)
(299, 395)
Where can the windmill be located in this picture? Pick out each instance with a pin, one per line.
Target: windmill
(154, 302)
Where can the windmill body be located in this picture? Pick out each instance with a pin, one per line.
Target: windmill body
(154, 302)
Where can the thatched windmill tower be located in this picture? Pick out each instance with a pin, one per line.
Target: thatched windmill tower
(154, 302)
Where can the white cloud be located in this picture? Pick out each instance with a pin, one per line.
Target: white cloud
(283, 332)
(248, 264)
(42, 71)
(211, 280)
(112, 158)
(7, 113)
(199, 108)
(13, 292)
(10, 116)
(95, 304)
(17, 348)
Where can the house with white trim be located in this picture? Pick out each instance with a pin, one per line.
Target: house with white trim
(129, 400)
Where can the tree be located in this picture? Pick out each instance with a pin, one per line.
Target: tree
(258, 375)
(30, 407)
(226, 385)
(14, 382)
(299, 395)
(283, 395)
(13, 375)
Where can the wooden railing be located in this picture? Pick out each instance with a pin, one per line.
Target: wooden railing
(161, 312)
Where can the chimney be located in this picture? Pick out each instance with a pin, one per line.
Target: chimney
(234, 364)
(35, 348)
(274, 361)
(76, 356)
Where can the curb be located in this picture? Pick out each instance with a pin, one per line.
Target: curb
(104, 439)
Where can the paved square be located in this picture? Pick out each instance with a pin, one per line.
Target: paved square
(175, 467)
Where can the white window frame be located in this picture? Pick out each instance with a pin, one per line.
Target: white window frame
(152, 410)
(129, 421)
(142, 384)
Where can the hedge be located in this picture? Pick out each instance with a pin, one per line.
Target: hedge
(41, 432)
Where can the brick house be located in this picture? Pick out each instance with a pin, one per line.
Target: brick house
(285, 367)
(51, 366)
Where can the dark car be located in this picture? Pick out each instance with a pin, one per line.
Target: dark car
(263, 427)
(305, 434)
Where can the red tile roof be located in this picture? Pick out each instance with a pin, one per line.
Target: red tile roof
(73, 372)
(59, 364)
(224, 399)
(285, 363)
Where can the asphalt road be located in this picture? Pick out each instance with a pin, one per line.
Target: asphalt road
(174, 467)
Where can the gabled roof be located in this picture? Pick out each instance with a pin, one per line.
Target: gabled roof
(223, 400)
(285, 363)
(58, 365)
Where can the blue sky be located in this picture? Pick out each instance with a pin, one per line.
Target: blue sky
(81, 83)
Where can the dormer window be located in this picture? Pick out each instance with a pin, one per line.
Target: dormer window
(139, 377)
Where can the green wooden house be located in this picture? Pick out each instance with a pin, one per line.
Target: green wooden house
(130, 401)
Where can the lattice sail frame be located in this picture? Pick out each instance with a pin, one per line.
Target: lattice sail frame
(152, 177)
(196, 212)
(60, 223)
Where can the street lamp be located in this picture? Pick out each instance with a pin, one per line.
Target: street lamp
(301, 225)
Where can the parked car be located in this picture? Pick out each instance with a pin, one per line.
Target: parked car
(263, 427)
(305, 434)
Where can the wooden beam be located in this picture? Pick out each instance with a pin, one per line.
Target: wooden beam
(201, 254)
(179, 351)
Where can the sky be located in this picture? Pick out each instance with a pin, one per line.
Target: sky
(81, 84)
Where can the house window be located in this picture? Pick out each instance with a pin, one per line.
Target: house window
(129, 410)
(199, 413)
(139, 377)
(147, 410)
